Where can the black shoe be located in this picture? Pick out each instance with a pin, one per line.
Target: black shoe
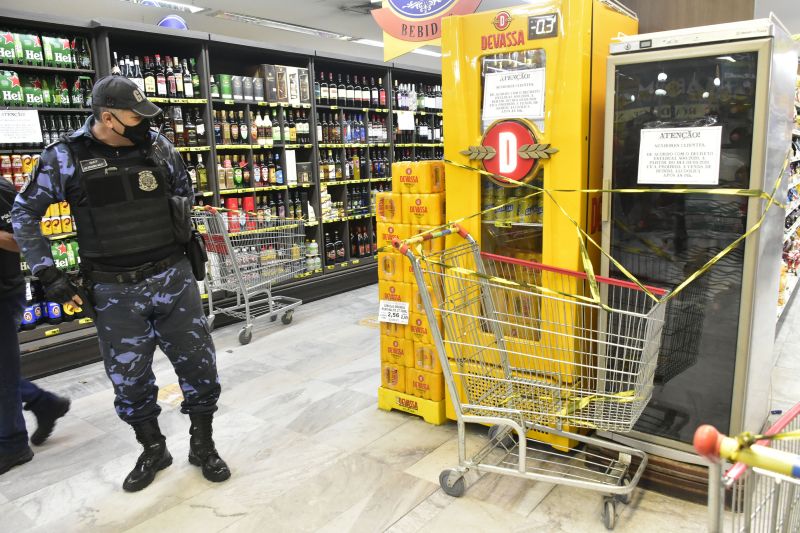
(10, 460)
(47, 411)
(202, 451)
(155, 456)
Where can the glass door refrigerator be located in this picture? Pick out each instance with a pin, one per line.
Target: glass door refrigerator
(701, 108)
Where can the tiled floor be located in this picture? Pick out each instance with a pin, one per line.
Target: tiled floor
(309, 450)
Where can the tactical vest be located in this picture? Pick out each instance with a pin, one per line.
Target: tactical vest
(124, 208)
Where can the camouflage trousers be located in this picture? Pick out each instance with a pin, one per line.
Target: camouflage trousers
(165, 311)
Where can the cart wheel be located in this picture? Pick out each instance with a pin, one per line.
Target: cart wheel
(508, 441)
(609, 513)
(210, 320)
(245, 335)
(459, 486)
(287, 317)
(625, 498)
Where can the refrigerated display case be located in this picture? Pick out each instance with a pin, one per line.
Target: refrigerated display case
(701, 108)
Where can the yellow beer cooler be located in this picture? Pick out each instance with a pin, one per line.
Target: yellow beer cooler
(527, 86)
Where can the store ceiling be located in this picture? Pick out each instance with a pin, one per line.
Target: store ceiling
(348, 17)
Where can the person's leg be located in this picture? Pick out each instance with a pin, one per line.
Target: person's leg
(183, 334)
(46, 406)
(14, 449)
(127, 342)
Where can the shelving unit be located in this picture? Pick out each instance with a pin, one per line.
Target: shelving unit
(213, 55)
(790, 239)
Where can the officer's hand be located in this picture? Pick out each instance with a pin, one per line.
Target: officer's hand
(57, 287)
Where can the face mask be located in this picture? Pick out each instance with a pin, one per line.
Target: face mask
(136, 134)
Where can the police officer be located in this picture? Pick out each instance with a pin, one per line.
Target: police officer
(130, 194)
(47, 407)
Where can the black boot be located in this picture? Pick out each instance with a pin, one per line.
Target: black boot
(47, 410)
(155, 456)
(10, 460)
(202, 451)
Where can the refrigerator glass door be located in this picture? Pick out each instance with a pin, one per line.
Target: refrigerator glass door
(663, 238)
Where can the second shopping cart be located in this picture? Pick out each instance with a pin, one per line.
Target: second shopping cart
(248, 254)
(533, 351)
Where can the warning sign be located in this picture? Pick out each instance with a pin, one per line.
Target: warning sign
(514, 94)
(680, 156)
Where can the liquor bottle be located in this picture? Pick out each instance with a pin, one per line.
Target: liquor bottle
(195, 78)
(84, 56)
(356, 164)
(202, 173)
(323, 89)
(268, 130)
(318, 90)
(226, 128)
(217, 128)
(233, 125)
(214, 88)
(115, 70)
(169, 130)
(246, 174)
(349, 91)
(220, 174)
(257, 171)
(356, 92)
(292, 126)
(353, 241)
(244, 132)
(338, 167)
(190, 129)
(178, 125)
(277, 133)
(255, 124)
(278, 170)
(272, 178)
(136, 75)
(237, 172)
(362, 241)
(149, 78)
(188, 88)
(178, 71)
(374, 97)
(341, 90)
(381, 94)
(339, 246)
(330, 250)
(264, 171)
(365, 92)
(320, 131)
(281, 207)
(333, 91)
(172, 87)
(286, 134)
(272, 207)
(191, 170)
(200, 127)
(161, 79)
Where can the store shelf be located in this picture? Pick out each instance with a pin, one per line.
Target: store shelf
(53, 70)
(247, 190)
(301, 186)
(188, 101)
(353, 263)
(376, 180)
(791, 286)
(46, 331)
(259, 103)
(233, 147)
(342, 182)
(62, 236)
(206, 194)
(193, 148)
(349, 108)
(328, 145)
(296, 146)
(420, 113)
(47, 109)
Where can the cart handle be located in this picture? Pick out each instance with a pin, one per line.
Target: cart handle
(713, 445)
(403, 245)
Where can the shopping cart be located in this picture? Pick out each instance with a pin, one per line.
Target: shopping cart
(247, 255)
(760, 491)
(533, 351)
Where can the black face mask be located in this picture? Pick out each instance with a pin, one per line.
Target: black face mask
(136, 134)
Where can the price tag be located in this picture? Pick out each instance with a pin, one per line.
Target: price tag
(52, 332)
(343, 265)
(228, 102)
(89, 320)
(393, 312)
(356, 262)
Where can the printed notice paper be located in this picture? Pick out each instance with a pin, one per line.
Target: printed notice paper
(680, 156)
(513, 94)
(393, 312)
(18, 127)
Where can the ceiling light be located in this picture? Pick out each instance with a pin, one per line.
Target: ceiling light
(274, 24)
(166, 4)
(423, 52)
(662, 76)
(369, 42)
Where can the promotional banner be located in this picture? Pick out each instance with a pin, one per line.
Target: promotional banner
(411, 24)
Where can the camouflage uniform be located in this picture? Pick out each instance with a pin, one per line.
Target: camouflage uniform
(132, 318)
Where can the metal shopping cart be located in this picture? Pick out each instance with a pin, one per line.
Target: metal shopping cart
(247, 255)
(533, 351)
(761, 491)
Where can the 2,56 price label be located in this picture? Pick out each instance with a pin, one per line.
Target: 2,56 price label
(393, 312)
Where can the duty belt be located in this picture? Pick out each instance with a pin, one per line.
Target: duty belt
(137, 275)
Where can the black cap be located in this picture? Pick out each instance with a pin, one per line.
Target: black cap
(118, 92)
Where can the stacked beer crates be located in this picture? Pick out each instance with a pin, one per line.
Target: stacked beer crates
(411, 373)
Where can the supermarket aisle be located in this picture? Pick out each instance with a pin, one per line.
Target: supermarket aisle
(308, 448)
